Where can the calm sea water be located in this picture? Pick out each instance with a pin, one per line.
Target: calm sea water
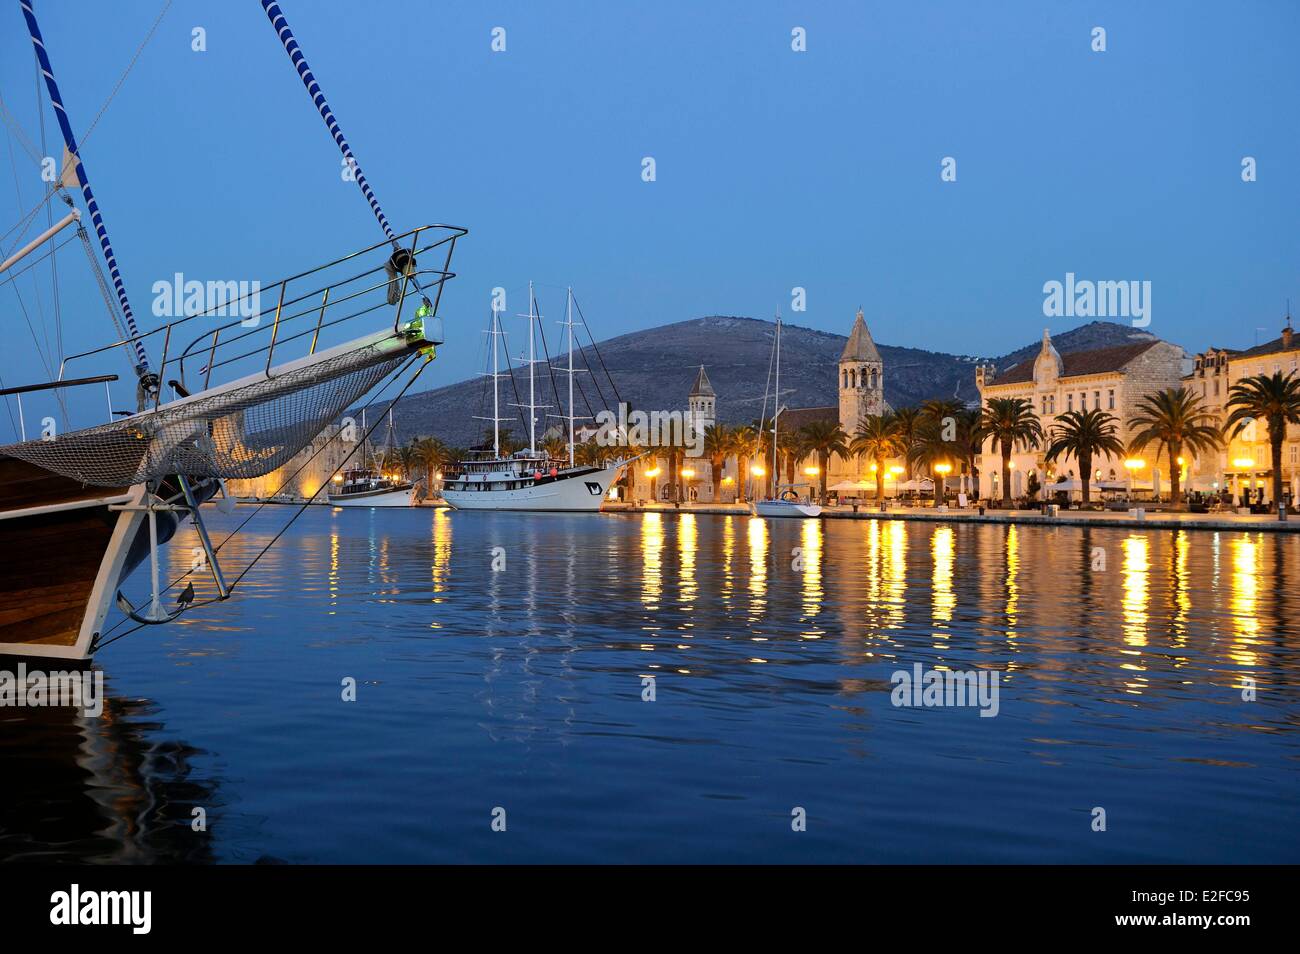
(522, 689)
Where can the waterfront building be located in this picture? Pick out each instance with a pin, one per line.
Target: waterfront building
(304, 474)
(1113, 379)
(1245, 461)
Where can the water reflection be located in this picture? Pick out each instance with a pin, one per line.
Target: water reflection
(107, 790)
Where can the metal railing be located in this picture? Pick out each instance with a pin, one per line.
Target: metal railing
(330, 304)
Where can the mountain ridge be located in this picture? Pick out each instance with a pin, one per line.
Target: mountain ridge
(654, 369)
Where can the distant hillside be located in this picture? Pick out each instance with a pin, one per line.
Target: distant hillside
(654, 369)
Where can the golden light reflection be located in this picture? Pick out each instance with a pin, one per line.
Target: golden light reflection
(811, 542)
(652, 569)
(1182, 597)
(757, 567)
(440, 570)
(332, 580)
(727, 583)
(1137, 589)
(1013, 580)
(943, 599)
(1245, 601)
(687, 543)
(895, 573)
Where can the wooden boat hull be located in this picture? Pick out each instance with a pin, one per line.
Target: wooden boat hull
(63, 554)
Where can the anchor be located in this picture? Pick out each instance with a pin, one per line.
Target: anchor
(156, 613)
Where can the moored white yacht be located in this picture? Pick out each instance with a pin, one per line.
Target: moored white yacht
(528, 479)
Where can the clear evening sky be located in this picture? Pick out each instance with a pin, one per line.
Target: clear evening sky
(775, 168)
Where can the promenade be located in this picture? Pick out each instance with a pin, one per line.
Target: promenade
(1067, 518)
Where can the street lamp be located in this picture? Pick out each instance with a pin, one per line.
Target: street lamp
(1133, 465)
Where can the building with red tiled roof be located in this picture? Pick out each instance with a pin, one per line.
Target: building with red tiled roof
(1112, 379)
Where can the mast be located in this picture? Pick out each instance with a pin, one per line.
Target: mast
(494, 332)
(496, 400)
(96, 217)
(568, 320)
(776, 404)
(532, 406)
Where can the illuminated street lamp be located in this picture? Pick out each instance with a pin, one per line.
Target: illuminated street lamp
(1133, 465)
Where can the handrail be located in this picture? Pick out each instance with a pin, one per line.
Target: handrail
(454, 232)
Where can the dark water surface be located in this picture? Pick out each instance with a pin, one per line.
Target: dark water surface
(522, 689)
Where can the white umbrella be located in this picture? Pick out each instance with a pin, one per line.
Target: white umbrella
(851, 485)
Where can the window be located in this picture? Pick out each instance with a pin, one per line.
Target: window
(1096, 400)
(1069, 403)
(1110, 399)
(1216, 387)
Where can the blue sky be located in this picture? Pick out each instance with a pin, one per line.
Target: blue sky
(775, 169)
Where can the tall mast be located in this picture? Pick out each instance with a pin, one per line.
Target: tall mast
(776, 404)
(568, 320)
(496, 400)
(532, 358)
(96, 217)
(494, 332)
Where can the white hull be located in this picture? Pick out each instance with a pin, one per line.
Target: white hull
(391, 498)
(583, 493)
(785, 508)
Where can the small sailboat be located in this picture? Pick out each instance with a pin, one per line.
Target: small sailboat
(368, 485)
(787, 502)
(529, 479)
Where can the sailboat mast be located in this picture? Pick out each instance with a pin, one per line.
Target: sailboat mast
(568, 319)
(532, 400)
(776, 404)
(96, 217)
(496, 400)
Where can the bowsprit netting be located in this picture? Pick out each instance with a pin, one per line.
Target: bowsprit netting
(240, 431)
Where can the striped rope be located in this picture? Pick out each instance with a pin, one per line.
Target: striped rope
(96, 217)
(281, 27)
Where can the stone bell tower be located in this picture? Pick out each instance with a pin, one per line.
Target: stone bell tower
(862, 378)
(702, 400)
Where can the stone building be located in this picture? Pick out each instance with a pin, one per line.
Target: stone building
(302, 476)
(1113, 379)
(1246, 460)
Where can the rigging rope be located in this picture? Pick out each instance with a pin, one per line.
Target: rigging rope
(100, 644)
(281, 27)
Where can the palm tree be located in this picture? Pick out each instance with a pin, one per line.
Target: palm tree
(1272, 398)
(878, 438)
(792, 447)
(431, 454)
(745, 444)
(936, 409)
(825, 438)
(717, 448)
(556, 447)
(1082, 435)
(970, 439)
(929, 450)
(909, 418)
(1009, 421)
(1175, 419)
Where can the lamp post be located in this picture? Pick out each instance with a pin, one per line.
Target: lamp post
(1132, 465)
(1243, 465)
(941, 488)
